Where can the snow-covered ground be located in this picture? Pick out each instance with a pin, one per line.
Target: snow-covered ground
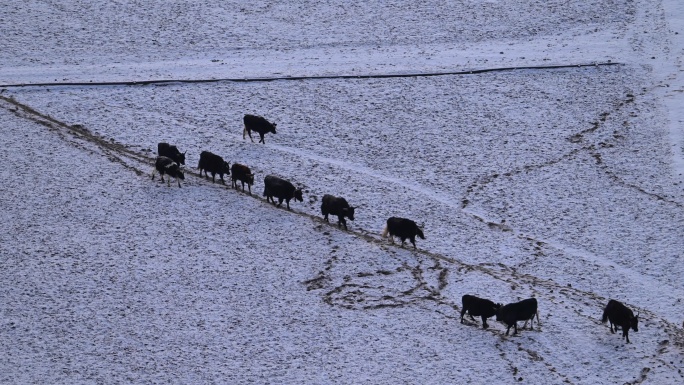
(566, 184)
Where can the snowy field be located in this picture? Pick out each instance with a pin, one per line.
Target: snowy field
(562, 180)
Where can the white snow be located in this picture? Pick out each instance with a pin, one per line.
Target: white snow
(565, 184)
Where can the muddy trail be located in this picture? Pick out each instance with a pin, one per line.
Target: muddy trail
(428, 271)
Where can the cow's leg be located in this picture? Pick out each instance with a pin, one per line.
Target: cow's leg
(153, 171)
(484, 322)
(213, 177)
(413, 240)
(288, 203)
(325, 217)
(178, 180)
(261, 140)
(463, 311)
(611, 327)
(508, 329)
(280, 202)
(161, 174)
(515, 328)
(342, 222)
(249, 186)
(249, 132)
(625, 333)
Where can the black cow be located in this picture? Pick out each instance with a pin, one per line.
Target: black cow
(524, 310)
(213, 164)
(620, 315)
(167, 166)
(478, 307)
(258, 124)
(337, 206)
(169, 151)
(243, 174)
(281, 189)
(402, 228)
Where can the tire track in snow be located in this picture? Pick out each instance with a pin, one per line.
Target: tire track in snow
(300, 78)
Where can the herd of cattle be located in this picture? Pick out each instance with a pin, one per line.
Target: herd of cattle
(170, 162)
(615, 312)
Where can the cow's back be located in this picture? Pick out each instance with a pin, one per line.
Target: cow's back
(478, 306)
(333, 205)
(242, 172)
(278, 187)
(401, 226)
(518, 311)
(210, 161)
(258, 123)
(161, 148)
(617, 312)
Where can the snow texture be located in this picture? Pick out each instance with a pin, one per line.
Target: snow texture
(565, 184)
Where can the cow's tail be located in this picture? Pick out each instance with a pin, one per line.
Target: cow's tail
(385, 231)
(605, 317)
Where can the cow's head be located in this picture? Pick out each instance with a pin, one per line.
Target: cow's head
(273, 127)
(181, 158)
(634, 322)
(250, 179)
(226, 168)
(180, 175)
(298, 195)
(348, 212)
(419, 232)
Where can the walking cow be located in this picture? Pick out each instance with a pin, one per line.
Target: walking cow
(402, 228)
(620, 315)
(258, 124)
(243, 174)
(478, 307)
(524, 310)
(171, 152)
(213, 164)
(167, 166)
(281, 189)
(337, 206)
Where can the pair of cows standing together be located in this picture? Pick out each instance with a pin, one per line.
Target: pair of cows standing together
(615, 311)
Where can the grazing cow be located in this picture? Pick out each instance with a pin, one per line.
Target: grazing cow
(258, 124)
(169, 151)
(167, 166)
(620, 315)
(524, 310)
(243, 174)
(402, 228)
(478, 307)
(213, 164)
(337, 206)
(281, 189)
